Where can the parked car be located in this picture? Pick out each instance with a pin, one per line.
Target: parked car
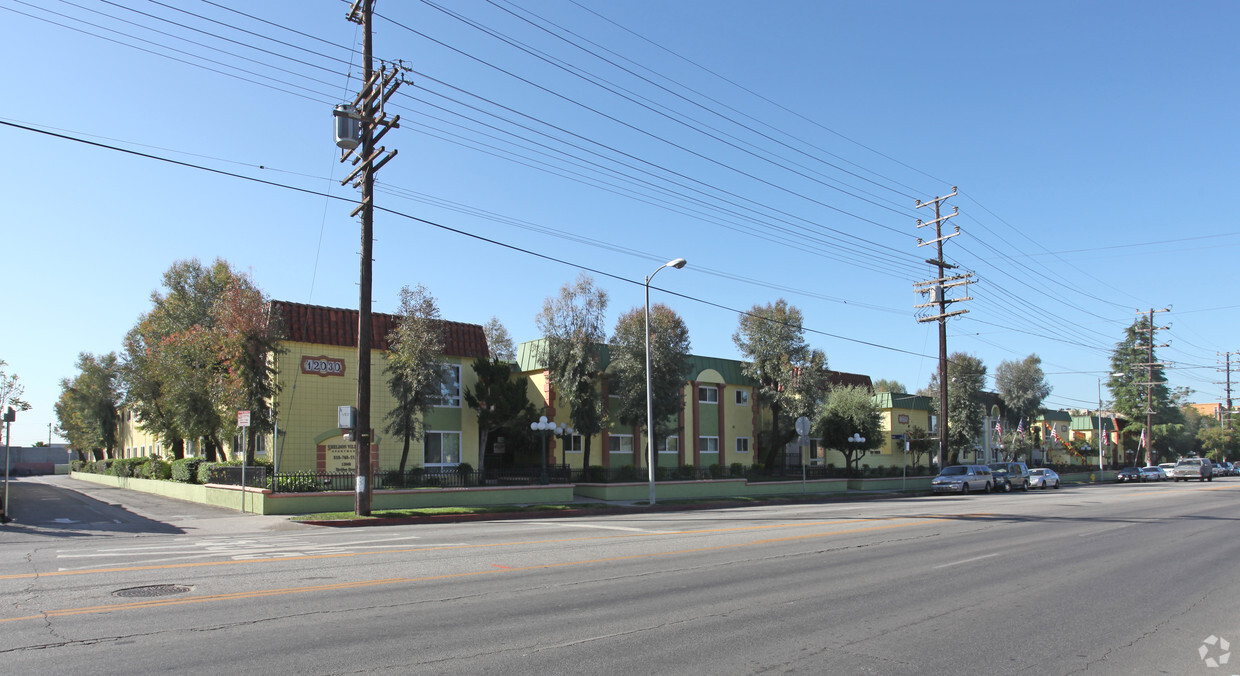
(1010, 476)
(1153, 473)
(1128, 475)
(1220, 469)
(1167, 467)
(1041, 477)
(962, 479)
(1187, 469)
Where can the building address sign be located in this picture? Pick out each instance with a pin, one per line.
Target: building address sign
(322, 366)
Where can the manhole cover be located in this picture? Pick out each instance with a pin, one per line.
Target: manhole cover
(153, 590)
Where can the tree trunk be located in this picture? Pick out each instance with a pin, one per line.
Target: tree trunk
(483, 434)
(404, 454)
(178, 449)
(585, 455)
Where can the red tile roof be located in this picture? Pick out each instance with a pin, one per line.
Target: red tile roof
(336, 326)
(838, 378)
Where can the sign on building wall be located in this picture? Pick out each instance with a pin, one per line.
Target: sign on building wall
(340, 456)
(322, 366)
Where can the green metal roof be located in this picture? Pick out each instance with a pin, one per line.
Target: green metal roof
(910, 402)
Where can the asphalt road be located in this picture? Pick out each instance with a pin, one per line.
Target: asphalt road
(1101, 580)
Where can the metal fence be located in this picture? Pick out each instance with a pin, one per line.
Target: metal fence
(452, 477)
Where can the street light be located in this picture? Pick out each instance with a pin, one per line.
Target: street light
(543, 425)
(678, 264)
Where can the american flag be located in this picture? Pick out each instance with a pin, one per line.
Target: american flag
(1142, 444)
(998, 429)
(1020, 428)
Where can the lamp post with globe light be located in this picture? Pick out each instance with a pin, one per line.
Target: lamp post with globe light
(544, 426)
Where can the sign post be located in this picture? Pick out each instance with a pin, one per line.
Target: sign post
(243, 421)
(802, 427)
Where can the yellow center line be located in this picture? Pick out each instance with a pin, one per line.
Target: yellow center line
(313, 557)
(260, 593)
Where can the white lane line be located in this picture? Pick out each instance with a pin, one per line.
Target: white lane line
(976, 558)
(590, 525)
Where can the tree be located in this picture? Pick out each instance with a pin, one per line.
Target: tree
(965, 413)
(572, 328)
(499, 343)
(669, 366)
(1023, 386)
(11, 390)
(416, 376)
(1131, 391)
(846, 411)
(173, 364)
(920, 443)
(88, 408)
(790, 376)
(884, 385)
(500, 402)
(247, 335)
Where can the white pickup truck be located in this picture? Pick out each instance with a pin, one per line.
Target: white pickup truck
(1187, 469)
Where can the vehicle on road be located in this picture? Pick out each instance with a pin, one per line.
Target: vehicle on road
(963, 479)
(1153, 473)
(1187, 469)
(1128, 475)
(1041, 477)
(1010, 476)
(1167, 467)
(1219, 469)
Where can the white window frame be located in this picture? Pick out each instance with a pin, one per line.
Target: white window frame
(617, 440)
(739, 395)
(574, 443)
(702, 444)
(745, 444)
(450, 392)
(704, 391)
(661, 445)
(440, 434)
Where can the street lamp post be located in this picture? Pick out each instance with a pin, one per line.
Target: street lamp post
(856, 438)
(678, 264)
(544, 426)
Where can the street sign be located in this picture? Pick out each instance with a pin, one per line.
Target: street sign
(802, 426)
(243, 418)
(897, 437)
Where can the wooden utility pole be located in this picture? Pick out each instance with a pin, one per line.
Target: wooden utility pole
(377, 88)
(1149, 386)
(937, 288)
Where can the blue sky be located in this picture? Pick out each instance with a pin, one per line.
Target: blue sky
(778, 146)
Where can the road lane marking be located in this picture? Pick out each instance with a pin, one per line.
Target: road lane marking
(562, 524)
(262, 593)
(199, 564)
(957, 563)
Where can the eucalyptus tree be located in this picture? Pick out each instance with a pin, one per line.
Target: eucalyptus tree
(669, 367)
(572, 327)
(1023, 386)
(499, 343)
(416, 374)
(791, 377)
(87, 411)
(965, 412)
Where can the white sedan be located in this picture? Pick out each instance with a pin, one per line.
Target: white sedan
(1041, 477)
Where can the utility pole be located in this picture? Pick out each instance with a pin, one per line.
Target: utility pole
(937, 288)
(377, 87)
(1225, 414)
(1149, 385)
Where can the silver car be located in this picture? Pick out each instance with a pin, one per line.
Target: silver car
(963, 479)
(1041, 477)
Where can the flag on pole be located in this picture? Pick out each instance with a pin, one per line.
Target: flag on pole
(1020, 428)
(1055, 435)
(1142, 443)
(998, 429)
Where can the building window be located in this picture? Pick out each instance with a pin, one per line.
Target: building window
(573, 444)
(668, 444)
(742, 397)
(451, 387)
(708, 394)
(742, 444)
(441, 449)
(620, 443)
(708, 444)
